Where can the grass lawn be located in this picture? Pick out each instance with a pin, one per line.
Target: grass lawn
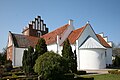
(107, 77)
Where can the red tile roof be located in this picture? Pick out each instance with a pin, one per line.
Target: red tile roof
(52, 36)
(76, 34)
(102, 41)
(23, 41)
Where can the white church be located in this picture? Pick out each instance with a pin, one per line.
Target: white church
(93, 51)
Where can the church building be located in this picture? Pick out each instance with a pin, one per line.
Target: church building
(93, 51)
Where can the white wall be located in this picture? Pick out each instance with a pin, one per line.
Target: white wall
(109, 56)
(92, 59)
(52, 47)
(73, 47)
(88, 31)
(18, 54)
(61, 48)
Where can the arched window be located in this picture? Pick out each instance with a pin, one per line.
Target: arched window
(39, 33)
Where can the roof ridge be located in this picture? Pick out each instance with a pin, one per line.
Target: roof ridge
(102, 41)
(55, 30)
(83, 28)
(24, 35)
(76, 33)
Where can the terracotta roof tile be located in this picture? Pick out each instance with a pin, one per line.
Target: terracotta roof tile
(26, 41)
(52, 36)
(76, 34)
(102, 41)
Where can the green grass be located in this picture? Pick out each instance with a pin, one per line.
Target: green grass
(107, 77)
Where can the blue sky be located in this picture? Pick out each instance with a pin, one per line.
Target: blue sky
(104, 15)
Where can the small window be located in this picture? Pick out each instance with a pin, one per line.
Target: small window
(38, 33)
(105, 54)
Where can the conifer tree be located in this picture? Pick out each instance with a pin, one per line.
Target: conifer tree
(24, 60)
(69, 56)
(40, 49)
(28, 60)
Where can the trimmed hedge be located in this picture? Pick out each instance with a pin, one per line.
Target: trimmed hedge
(6, 74)
(10, 73)
(81, 72)
(69, 76)
(114, 71)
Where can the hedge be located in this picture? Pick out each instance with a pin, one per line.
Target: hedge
(81, 72)
(114, 71)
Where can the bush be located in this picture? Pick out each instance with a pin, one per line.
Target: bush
(81, 72)
(14, 76)
(19, 73)
(114, 71)
(116, 62)
(8, 65)
(69, 76)
(17, 69)
(49, 65)
(7, 74)
(1, 71)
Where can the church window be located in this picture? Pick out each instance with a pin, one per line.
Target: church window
(105, 54)
(39, 34)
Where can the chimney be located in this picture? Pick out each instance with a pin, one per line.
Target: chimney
(71, 22)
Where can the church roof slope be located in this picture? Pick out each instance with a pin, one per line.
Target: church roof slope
(102, 41)
(23, 41)
(52, 36)
(76, 34)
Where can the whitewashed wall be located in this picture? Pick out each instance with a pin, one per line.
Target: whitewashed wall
(52, 47)
(87, 32)
(73, 47)
(18, 54)
(109, 56)
(61, 48)
(92, 59)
